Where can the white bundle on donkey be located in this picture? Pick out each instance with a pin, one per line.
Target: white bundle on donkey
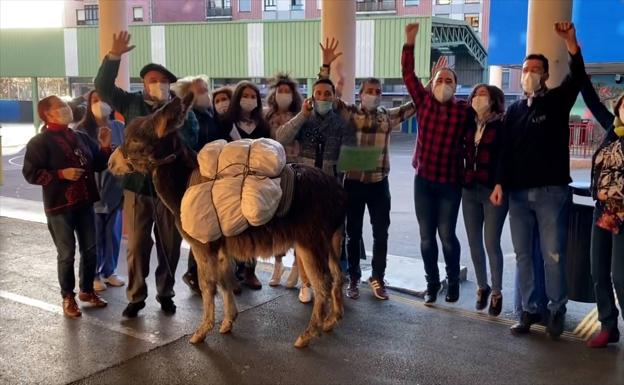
(243, 188)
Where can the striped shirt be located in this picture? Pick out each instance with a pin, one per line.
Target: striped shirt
(438, 156)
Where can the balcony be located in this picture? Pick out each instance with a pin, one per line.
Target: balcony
(218, 13)
(376, 6)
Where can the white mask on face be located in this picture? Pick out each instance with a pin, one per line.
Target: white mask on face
(203, 100)
(283, 100)
(222, 107)
(248, 104)
(481, 104)
(531, 82)
(443, 92)
(159, 91)
(101, 110)
(62, 115)
(370, 102)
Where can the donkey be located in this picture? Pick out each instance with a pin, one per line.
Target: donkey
(313, 225)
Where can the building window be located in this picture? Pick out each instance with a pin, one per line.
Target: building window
(375, 5)
(244, 5)
(473, 20)
(87, 16)
(410, 3)
(473, 1)
(445, 15)
(443, 2)
(270, 5)
(137, 13)
(296, 5)
(505, 79)
(218, 8)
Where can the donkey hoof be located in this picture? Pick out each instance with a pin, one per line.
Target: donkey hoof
(226, 327)
(302, 342)
(197, 338)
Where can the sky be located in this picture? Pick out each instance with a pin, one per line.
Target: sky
(31, 13)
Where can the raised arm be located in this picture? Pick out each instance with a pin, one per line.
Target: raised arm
(573, 82)
(105, 79)
(287, 132)
(401, 113)
(600, 112)
(413, 84)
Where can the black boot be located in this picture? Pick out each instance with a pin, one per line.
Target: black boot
(526, 320)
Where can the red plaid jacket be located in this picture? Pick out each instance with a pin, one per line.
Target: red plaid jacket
(438, 156)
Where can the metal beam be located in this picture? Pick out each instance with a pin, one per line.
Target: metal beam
(456, 34)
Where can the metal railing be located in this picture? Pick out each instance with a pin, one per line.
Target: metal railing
(582, 140)
(218, 12)
(375, 6)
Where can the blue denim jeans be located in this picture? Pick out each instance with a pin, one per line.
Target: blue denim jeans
(375, 196)
(108, 239)
(64, 228)
(607, 269)
(547, 209)
(437, 207)
(484, 221)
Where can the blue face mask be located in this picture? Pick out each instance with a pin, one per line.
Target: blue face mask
(322, 106)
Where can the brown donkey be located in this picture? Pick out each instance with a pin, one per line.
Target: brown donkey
(312, 225)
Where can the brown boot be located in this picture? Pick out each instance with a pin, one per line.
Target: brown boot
(93, 298)
(251, 280)
(70, 307)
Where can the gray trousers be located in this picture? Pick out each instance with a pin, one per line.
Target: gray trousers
(139, 211)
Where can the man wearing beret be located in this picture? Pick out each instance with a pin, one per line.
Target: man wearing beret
(142, 208)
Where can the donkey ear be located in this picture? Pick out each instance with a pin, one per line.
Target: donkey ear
(166, 118)
(187, 101)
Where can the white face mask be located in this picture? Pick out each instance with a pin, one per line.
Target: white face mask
(531, 82)
(443, 92)
(101, 110)
(283, 100)
(481, 104)
(248, 104)
(370, 102)
(222, 107)
(159, 91)
(323, 106)
(62, 115)
(203, 100)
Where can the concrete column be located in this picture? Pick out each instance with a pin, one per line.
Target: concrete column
(496, 76)
(541, 37)
(338, 21)
(114, 19)
(309, 84)
(35, 100)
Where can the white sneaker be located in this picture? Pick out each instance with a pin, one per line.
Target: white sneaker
(293, 277)
(114, 280)
(98, 285)
(276, 278)
(305, 294)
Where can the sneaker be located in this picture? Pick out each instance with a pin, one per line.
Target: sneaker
(251, 281)
(353, 291)
(524, 325)
(431, 294)
(191, 282)
(305, 294)
(167, 305)
(496, 305)
(132, 309)
(378, 287)
(98, 285)
(482, 297)
(452, 292)
(555, 325)
(276, 278)
(293, 277)
(604, 338)
(93, 298)
(114, 280)
(70, 307)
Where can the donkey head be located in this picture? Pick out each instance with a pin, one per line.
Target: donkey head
(152, 140)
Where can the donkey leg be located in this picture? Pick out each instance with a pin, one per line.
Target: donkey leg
(207, 284)
(226, 277)
(320, 285)
(337, 307)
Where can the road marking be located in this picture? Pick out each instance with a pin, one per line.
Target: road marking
(589, 325)
(148, 337)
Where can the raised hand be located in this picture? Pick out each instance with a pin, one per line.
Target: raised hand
(121, 43)
(307, 106)
(567, 31)
(329, 51)
(105, 137)
(441, 63)
(72, 173)
(411, 30)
